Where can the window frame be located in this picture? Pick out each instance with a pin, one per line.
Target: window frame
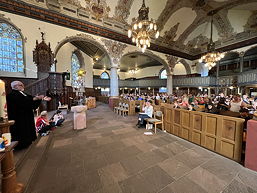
(160, 74)
(16, 74)
(105, 72)
(74, 54)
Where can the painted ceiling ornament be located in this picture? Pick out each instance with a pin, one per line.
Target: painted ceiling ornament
(172, 61)
(99, 8)
(252, 22)
(115, 49)
(199, 42)
(122, 10)
(170, 35)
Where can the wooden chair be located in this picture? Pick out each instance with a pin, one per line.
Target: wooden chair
(125, 110)
(155, 121)
(120, 110)
(116, 108)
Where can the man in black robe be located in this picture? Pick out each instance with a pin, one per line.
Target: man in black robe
(20, 108)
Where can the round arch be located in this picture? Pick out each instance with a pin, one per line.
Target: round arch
(153, 56)
(186, 65)
(81, 37)
(3, 19)
(253, 48)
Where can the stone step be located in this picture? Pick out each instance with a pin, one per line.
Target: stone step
(27, 162)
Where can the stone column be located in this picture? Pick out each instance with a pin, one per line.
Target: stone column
(115, 51)
(114, 85)
(169, 84)
(241, 61)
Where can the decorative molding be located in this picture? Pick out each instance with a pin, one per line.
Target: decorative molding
(115, 50)
(122, 10)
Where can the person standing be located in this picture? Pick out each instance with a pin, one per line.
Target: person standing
(20, 108)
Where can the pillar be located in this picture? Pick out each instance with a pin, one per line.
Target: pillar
(209, 92)
(114, 87)
(169, 84)
(241, 61)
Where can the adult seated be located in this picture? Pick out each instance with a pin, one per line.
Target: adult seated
(148, 113)
(43, 126)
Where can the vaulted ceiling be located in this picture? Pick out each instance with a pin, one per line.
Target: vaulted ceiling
(184, 24)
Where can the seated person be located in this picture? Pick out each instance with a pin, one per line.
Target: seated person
(43, 126)
(58, 118)
(212, 108)
(148, 113)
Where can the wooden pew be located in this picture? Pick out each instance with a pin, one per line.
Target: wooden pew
(221, 134)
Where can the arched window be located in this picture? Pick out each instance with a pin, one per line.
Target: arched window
(163, 74)
(11, 49)
(105, 75)
(75, 66)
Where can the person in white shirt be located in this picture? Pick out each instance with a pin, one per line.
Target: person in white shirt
(148, 113)
(58, 118)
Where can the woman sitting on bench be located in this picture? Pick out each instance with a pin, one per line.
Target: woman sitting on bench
(148, 113)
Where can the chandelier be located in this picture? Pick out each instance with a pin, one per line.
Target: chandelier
(133, 71)
(212, 56)
(143, 29)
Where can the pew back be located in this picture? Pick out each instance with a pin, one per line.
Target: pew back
(221, 134)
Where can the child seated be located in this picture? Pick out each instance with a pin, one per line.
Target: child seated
(43, 126)
(58, 118)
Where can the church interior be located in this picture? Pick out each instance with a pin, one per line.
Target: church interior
(128, 96)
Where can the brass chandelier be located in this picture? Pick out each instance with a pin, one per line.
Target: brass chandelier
(143, 29)
(212, 56)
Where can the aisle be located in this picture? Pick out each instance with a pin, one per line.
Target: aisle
(113, 156)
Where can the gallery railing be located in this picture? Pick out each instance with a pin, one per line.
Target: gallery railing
(243, 79)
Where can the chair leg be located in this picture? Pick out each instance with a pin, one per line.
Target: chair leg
(154, 128)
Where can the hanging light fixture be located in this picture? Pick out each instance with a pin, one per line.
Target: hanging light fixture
(212, 56)
(143, 29)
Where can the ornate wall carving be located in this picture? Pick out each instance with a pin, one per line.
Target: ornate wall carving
(172, 61)
(115, 50)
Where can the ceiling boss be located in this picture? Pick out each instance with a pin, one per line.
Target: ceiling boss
(143, 29)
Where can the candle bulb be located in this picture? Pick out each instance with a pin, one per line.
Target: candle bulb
(3, 106)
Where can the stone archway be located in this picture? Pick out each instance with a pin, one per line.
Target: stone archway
(153, 56)
(186, 65)
(81, 37)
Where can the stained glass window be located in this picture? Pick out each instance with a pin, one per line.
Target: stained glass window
(11, 49)
(105, 75)
(163, 74)
(75, 66)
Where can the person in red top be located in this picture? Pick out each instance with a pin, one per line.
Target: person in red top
(43, 126)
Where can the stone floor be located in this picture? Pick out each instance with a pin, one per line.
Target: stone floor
(113, 156)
